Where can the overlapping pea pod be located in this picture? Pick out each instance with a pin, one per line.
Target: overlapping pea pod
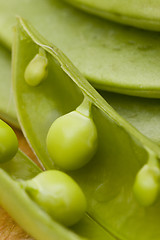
(108, 179)
(111, 56)
(142, 113)
(7, 106)
(26, 195)
(143, 14)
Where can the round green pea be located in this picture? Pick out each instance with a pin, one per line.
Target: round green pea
(146, 186)
(59, 195)
(72, 140)
(8, 142)
(36, 70)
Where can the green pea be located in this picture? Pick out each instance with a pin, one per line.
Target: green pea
(146, 186)
(36, 70)
(8, 142)
(59, 195)
(72, 140)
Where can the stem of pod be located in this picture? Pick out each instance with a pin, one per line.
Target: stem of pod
(146, 186)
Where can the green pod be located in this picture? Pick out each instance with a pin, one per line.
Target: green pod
(138, 111)
(72, 140)
(59, 195)
(7, 106)
(36, 222)
(142, 113)
(111, 56)
(36, 70)
(21, 208)
(8, 142)
(142, 13)
(107, 181)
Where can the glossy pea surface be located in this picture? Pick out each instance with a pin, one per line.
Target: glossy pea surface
(8, 142)
(72, 140)
(59, 195)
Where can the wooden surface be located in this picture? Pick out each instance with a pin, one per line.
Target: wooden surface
(9, 230)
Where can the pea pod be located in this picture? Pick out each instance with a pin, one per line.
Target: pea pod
(142, 14)
(142, 113)
(36, 222)
(107, 180)
(7, 106)
(111, 56)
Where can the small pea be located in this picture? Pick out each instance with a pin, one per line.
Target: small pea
(146, 186)
(72, 140)
(59, 195)
(36, 70)
(8, 142)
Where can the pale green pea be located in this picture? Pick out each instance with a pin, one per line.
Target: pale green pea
(72, 140)
(36, 71)
(58, 194)
(146, 186)
(8, 142)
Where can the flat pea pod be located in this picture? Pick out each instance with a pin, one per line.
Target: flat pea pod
(142, 14)
(7, 106)
(107, 180)
(142, 113)
(111, 56)
(8, 142)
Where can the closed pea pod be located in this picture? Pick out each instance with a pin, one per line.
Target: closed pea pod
(142, 14)
(8, 142)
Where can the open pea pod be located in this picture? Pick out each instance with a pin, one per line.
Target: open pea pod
(108, 179)
(142, 113)
(143, 14)
(111, 56)
(7, 106)
(29, 215)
